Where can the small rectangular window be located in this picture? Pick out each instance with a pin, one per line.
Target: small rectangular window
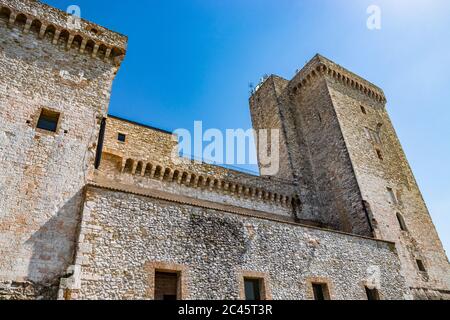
(252, 289)
(421, 266)
(48, 120)
(372, 294)
(167, 285)
(320, 291)
(121, 137)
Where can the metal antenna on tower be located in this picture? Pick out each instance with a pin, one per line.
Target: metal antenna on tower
(251, 87)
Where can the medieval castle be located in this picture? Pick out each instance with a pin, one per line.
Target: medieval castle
(92, 206)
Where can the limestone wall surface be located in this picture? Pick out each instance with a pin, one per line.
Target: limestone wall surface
(43, 173)
(123, 236)
(69, 229)
(371, 132)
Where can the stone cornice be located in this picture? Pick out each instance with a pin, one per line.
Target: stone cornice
(320, 66)
(190, 179)
(57, 26)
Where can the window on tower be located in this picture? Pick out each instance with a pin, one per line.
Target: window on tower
(379, 154)
(421, 266)
(363, 110)
(121, 137)
(401, 222)
(48, 120)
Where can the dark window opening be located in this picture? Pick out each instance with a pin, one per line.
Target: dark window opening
(48, 120)
(401, 222)
(167, 285)
(363, 110)
(372, 294)
(252, 289)
(421, 266)
(121, 137)
(320, 291)
(101, 140)
(379, 154)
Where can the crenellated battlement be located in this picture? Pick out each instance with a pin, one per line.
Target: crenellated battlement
(54, 25)
(321, 66)
(192, 179)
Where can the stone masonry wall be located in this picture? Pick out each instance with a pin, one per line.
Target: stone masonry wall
(103, 233)
(271, 110)
(266, 115)
(124, 236)
(43, 173)
(340, 203)
(375, 175)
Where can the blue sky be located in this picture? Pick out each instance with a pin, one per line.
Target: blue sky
(194, 59)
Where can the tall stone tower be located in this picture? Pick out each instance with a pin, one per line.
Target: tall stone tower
(339, 146)
(56, 74)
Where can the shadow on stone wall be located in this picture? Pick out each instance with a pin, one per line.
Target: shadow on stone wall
(53, 248)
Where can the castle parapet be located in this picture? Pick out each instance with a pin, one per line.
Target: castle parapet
(64, 30)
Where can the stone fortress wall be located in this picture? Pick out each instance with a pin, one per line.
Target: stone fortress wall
(75, 225)
(46, 65)
(126, 237)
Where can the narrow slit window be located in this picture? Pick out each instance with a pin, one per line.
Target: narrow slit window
(252, 289)
(372, 294)
(363, 110)
(320, 291)
(401, 222)
(379, 154)
(48, 120)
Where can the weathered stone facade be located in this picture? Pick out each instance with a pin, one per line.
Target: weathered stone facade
(44, 65)
(122, 233)
(86, 216)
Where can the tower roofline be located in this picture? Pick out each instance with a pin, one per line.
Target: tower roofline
(93, 39)
(319, 65)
